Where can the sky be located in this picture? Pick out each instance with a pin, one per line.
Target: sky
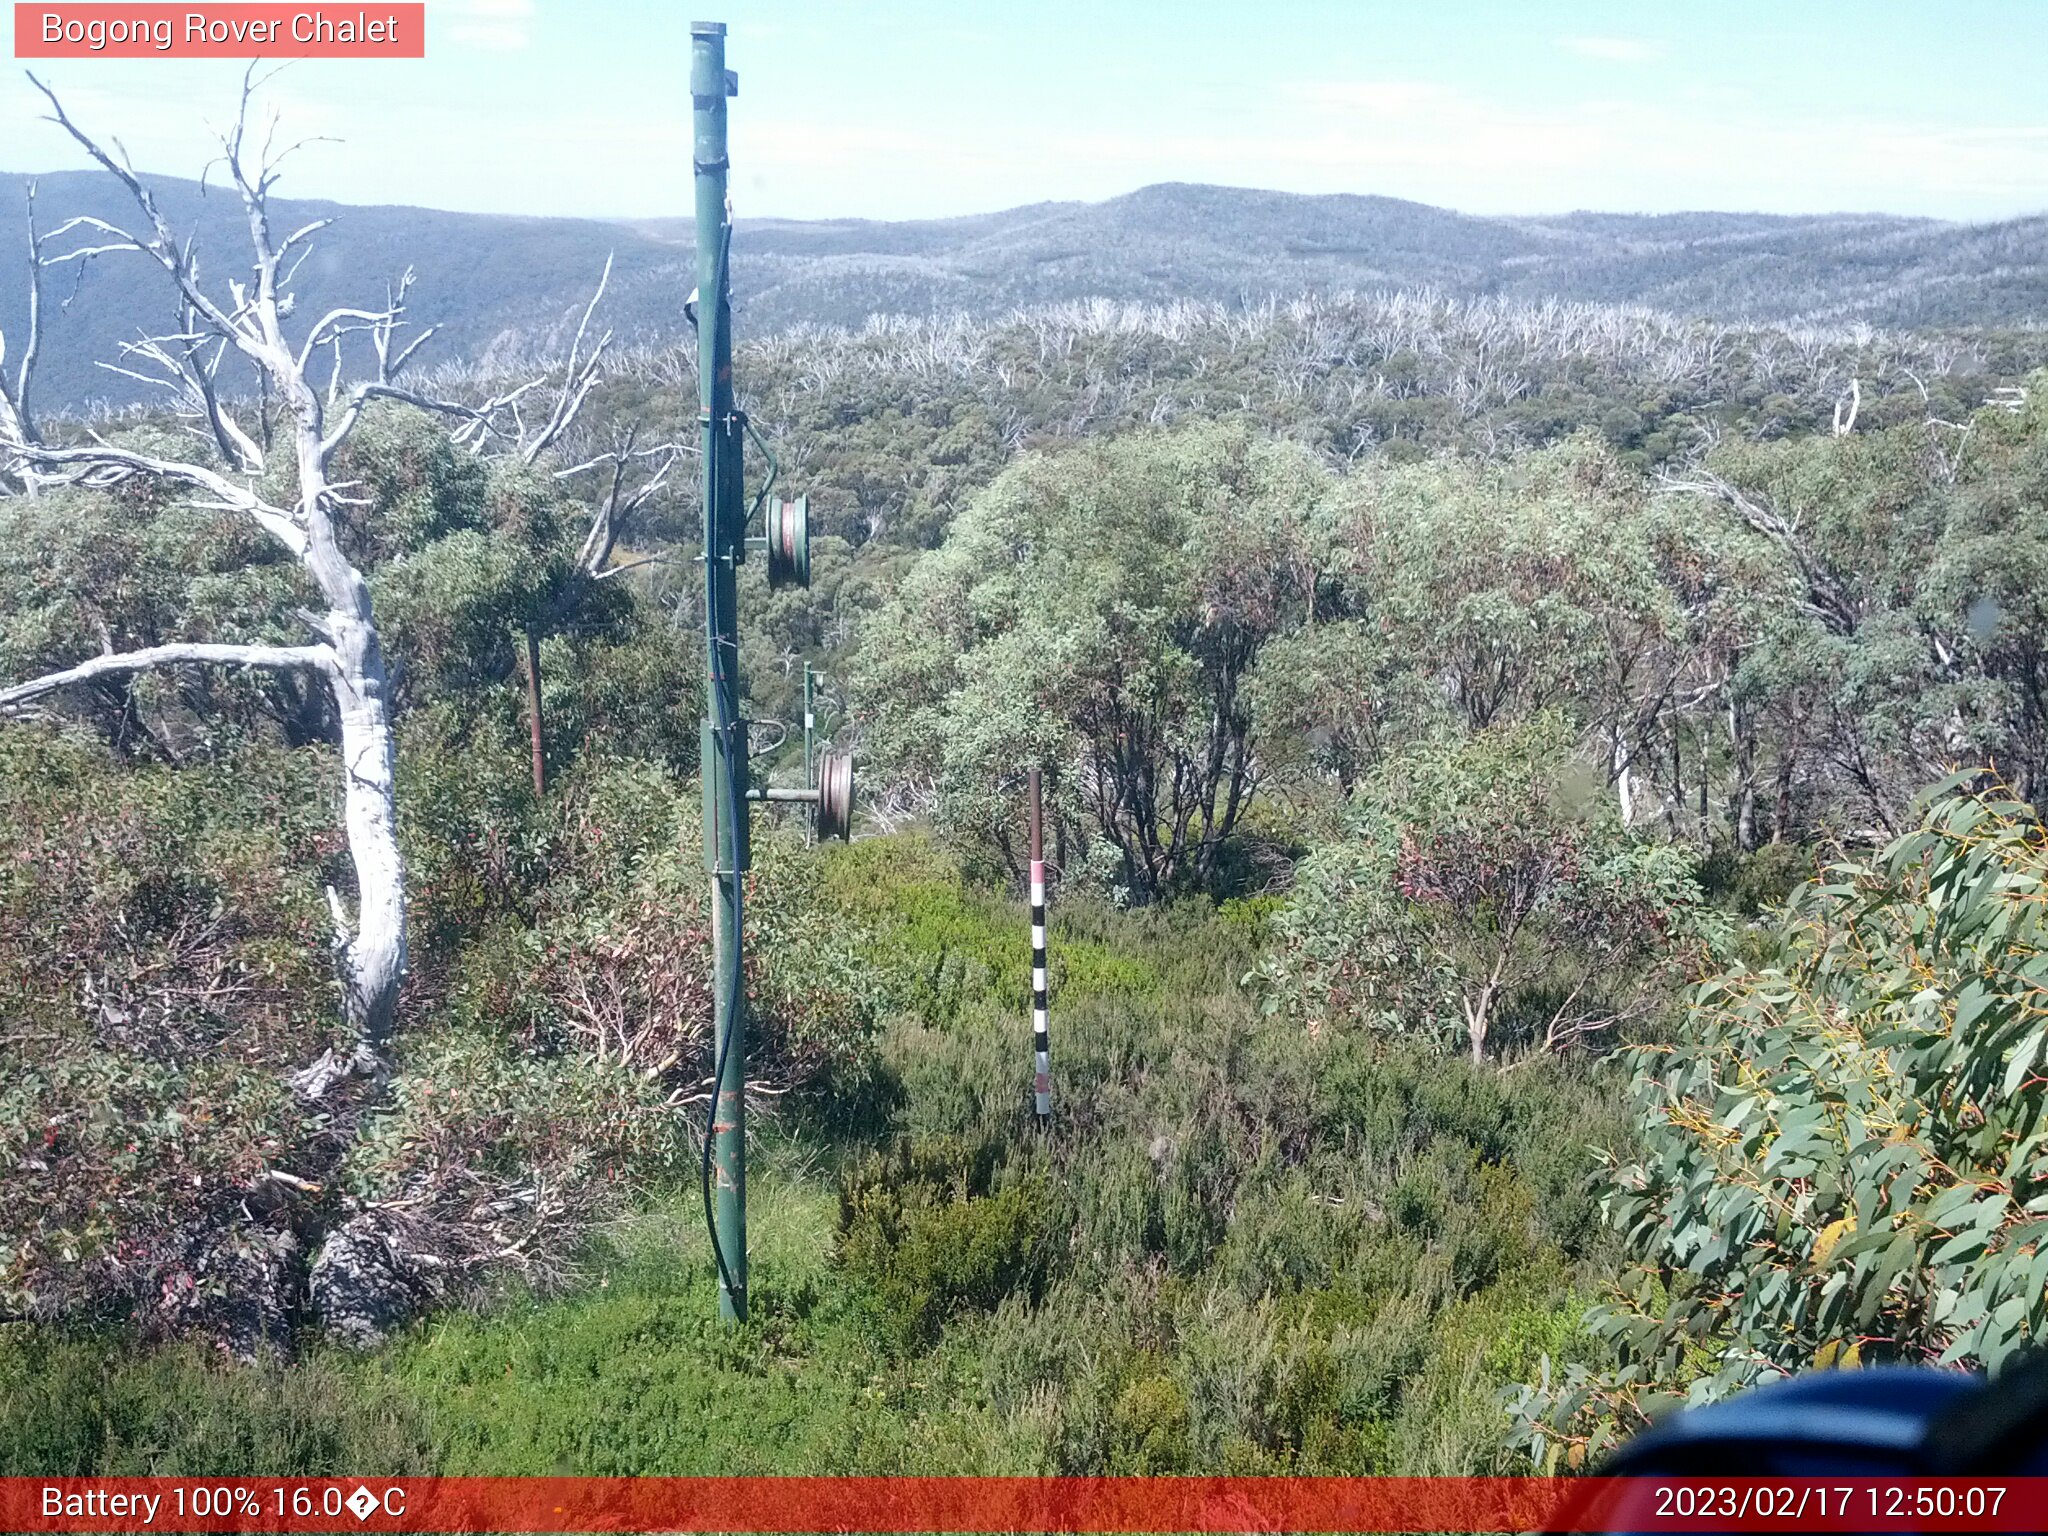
(895, 109)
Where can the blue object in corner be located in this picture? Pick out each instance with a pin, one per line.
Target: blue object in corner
(1875, 1422)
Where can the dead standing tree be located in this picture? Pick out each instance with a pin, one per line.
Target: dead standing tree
(343, 650)
(17, 418)
(453, 1220)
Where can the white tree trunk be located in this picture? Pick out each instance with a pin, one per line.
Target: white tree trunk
(1624, 783)
(373, 951)
(370, 944)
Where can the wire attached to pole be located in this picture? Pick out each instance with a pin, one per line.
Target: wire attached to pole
(734, 809)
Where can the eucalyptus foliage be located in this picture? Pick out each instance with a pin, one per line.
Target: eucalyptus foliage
(1477, 890)
(1095, 611)
(1844, 1154)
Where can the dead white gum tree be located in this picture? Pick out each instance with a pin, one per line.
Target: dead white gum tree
(17, 419)
(342, 648)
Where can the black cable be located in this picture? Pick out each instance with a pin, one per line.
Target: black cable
(774, 466)
(735, 808)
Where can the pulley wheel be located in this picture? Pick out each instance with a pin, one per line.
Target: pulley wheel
(835, 797)
(789, 544)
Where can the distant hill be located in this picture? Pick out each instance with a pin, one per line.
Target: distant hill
(1227, 244)
(502, 285)
(495, 284)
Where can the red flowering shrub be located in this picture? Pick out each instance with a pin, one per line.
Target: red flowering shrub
(160, 972)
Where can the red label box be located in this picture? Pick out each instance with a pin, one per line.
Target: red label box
(112, 30)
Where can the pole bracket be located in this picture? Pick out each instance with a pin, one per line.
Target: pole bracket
(715, 761)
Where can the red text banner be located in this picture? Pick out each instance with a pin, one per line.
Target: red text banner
(978, 1504)
(112, 30)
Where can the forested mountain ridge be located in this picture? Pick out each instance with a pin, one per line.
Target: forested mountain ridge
(502, 285)
(1228, 244)
(496, 285)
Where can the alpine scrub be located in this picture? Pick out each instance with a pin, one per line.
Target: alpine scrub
(1843, 1152)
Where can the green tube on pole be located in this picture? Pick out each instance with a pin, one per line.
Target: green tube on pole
(725, 751)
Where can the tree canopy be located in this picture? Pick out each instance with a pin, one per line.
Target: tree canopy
(1096, 611)
(1841, 1159)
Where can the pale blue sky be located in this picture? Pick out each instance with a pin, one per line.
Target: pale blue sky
(907, 108)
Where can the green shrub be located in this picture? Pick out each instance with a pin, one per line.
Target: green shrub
(1150, 1425)
(161, 944)
(1752, 884)
(476, 845)
(1469, 899)
(1159, 563)
(928, 1231)
(97, 1406)
(1242, 1250)
(949, 947)
(1840, 1153)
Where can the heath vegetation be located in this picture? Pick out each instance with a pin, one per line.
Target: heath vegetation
(1544, 801)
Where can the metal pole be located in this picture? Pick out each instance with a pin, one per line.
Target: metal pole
(810, 723)
(1041, 1041)
(724, 757)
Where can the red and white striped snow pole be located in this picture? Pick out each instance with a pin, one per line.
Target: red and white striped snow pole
(1041, 1042)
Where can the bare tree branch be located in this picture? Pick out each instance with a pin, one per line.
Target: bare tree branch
(125, 663)
(14, 398)
(162, 247)
(579, 375)
(249, 323)
(1826, 596)
(618, 506)
(17, 415)
(100, 465)
(1847, 407)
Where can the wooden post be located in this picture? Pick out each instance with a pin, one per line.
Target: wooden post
(540, 756)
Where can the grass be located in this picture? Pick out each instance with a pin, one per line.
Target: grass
(634, 1376)
(1243, 1249)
